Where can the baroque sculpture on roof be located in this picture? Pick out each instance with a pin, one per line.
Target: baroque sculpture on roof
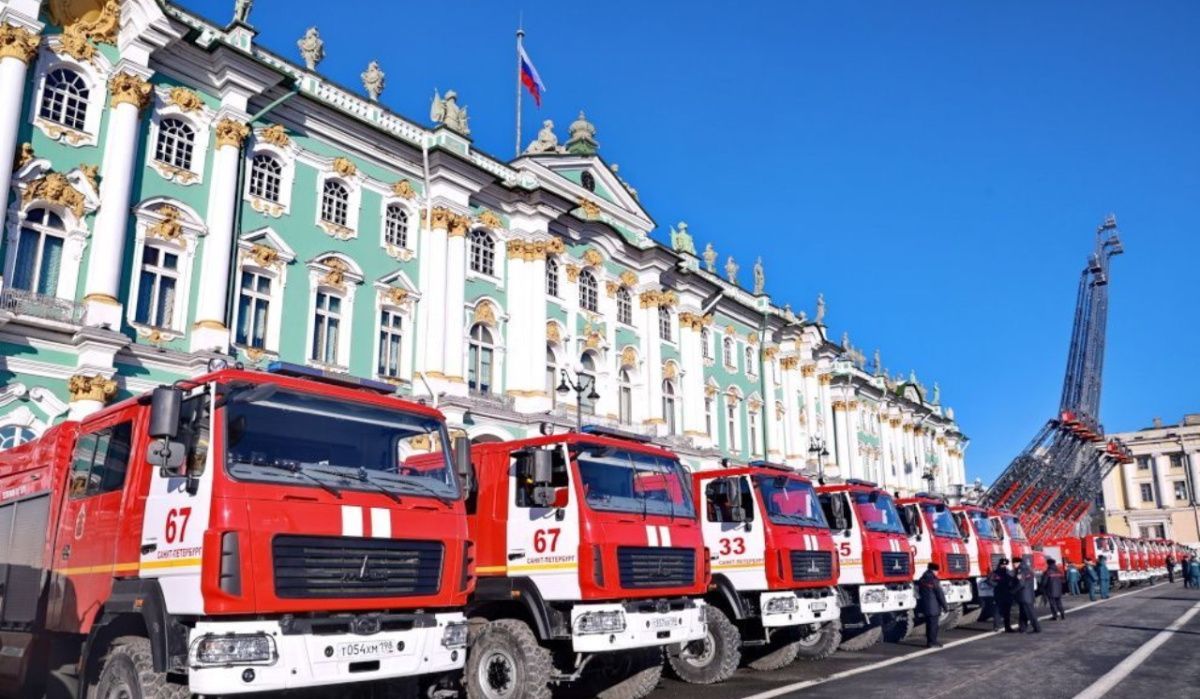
(546, 141)
(448, 113)
(681, 240)
(312, 49)
(373, 80)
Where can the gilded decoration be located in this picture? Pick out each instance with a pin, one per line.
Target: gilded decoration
(730, 330)
(629, 357)
(231, 133)
(95, 388)
(650, 299)
(824, 379)
(573, 273)
(670, 370)
(770, 352)
(628, 278)
(54, 187)
(485, 313)
(489, 219)
(97, 20)
(710, 390)
(264, 255)
(754, 405)
(335, 274)
(458, 226)
(169, 227)
(337, 231)
(24, 156)
(397, 296)
(610, 288)
(74, 44)
(732, 399)
(593, 340)
(789, 363)
(752, 338)
(839, 406)
(185, 99)
(808, 370)
(19, 43)
(91, 173)
(439, 218)
(127, 88)
(590, 208)
(894, 422)
(530, 250)
(555, 246)
(695, 321)
(908, 428)
(403, 189)
(552, 334)
(276, 135)
(344, 167)
(593, 258)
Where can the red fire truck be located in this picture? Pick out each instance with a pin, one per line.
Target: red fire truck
(987, 549)
(238, 532)
(935, 538)
(774, 572)
(875, 583)
(590, 561)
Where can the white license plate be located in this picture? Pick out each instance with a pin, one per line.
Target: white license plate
(665, 622)
(818, 607)
(367, 650)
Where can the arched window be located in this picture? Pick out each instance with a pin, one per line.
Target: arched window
(552, 276)
(668, 405)
(624, 306)
(266, 177)
(335, 203)
(752, 421)
(551, 376)
(39, 253)
(483, 253)
(254, 309)
(587, 380)
(480, 359)
(395, 226)
(731, 423)
(751, 367)
(708, 416)
(587, 291)
(625, 398)
(664, 323)
(176, 143)
(327, 325)
(706, 343)
(727, 347)
(65, 99)
(391, 340)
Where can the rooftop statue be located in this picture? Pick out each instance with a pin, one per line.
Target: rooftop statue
(241, 11)
(546, 141)
(731, 270)
(582, 139)
(845, 339)
(373, 80)
(760, 278)
(311, 48)
(820, 309)
(447, 112)
(681, 240)
(937, 394)
(878, 360)
(710, 258)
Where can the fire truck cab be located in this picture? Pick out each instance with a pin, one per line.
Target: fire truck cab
(1012, 537)
(935, 538)
(774, 571)
(590, 560)
(238, 532)
(986, 546)
(875, 583)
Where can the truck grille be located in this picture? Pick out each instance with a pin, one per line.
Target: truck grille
(957, 562)
(812, 565)
(895, 564)
(322, 567)
(648, 566)
(996, 559)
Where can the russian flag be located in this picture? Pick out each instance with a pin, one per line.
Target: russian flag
(530, 78)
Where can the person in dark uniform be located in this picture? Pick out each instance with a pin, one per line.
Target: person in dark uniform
(1093, 580)
(932, 602)
(1102, 574)
(1073, 578)
(1001, 581)
(1051, 589)
(1170, 568)
(1024, 593)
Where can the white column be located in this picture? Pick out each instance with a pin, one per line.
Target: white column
(130, 92)
(1166, 494)
(432, 309)
(456, 280)
(526, 284)
(794, 451)
(770, 420)
(209, 331)
(1132, 496)
(691, 356)
(652, 345)
(18, 46)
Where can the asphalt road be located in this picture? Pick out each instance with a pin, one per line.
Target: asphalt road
(1116, 648)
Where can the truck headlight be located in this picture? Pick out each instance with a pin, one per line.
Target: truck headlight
(600, 622)
(455, 635)
(234, 649)
(782, 605)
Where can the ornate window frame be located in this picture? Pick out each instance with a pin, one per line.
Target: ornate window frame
(156, 226)
(199, 117)
(340, 170)
(95, 73)
(272, 141)
(340, 279)
(412, 230)
(263, 252)
(396, 293)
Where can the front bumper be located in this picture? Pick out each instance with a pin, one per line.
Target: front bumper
(306, 659)
(956, 591)
(643, 629)
(880, 599)
(814, 607)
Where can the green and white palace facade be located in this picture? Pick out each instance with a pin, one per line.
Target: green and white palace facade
(177, 192)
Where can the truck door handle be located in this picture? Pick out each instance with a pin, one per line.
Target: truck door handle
(515, 556)
(149, 548)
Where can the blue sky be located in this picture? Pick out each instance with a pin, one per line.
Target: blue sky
(937, 169)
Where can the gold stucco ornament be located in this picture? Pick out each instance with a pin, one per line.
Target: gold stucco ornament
(55, 188)
(127, 88)
(97, 388)
(18, 42)
(231, 133)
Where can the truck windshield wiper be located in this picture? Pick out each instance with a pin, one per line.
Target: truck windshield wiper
(426, 489)
(294, 468)
(361, 477)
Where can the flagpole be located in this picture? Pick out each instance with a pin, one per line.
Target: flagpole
(520, 35)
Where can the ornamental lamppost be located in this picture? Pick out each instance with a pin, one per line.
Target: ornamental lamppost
(576, 380)
(816, 447)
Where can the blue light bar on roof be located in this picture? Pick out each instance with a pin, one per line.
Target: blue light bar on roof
(314, 374)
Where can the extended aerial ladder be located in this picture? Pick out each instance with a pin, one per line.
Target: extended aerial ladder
(1051, 484)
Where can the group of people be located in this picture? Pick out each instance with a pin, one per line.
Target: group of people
(1190, 568)
(1020, 587)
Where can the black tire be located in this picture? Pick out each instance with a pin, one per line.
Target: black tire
(127, 670)
(629, 674)
(779, 653)
(504, 661)
(713, 659)
(862, 638)
(821, 643)
(952, 618)
(897, 626)
(970, 616)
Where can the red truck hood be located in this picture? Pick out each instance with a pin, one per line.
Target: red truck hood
(641, 557)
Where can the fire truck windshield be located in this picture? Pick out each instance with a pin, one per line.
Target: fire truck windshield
(791, 501)
(305, 439)
(983, 525)
(1014, 527)
(626, 481)
(943, 521)
(878, 512)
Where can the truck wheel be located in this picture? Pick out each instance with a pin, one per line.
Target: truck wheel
(952, 618)
(821, 643)
(972, 615)
(127, 672)
(626, 674)
(864, 638)
(897, 625)
(506, 662)
(715, 657)
(781, 652)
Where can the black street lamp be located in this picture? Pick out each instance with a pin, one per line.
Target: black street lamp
(579, 382)
(816, 447)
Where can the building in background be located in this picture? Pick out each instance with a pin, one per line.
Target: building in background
(179, 193)
(1155, 495)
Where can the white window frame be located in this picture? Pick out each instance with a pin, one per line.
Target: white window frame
(160, 272)
(184, 246)
(277, 272)
(405, 310)
(497, 258)
(554, 270)
(750, 360)
(624, 297)
(494, 346)
(624, 392)
(1142, 490)
(199, 119)
(671, 411)
(664, 314)
(754, 429)
(354, 187)
(595, 289)
(729, 349)
(412, 228)
(94, 73)
(287, 159)
(352, 278)
(733, 424)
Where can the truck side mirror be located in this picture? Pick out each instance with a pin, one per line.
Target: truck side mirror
(462, 462)
(168, 455)
(543, 466)
(165, 404)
